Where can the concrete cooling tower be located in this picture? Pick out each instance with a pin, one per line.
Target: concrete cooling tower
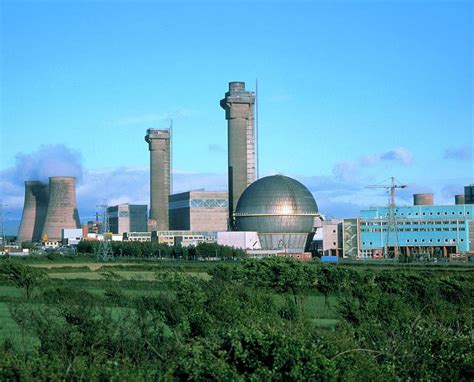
(34, 211)
(62, 211)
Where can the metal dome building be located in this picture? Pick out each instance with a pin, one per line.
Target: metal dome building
(281, 210)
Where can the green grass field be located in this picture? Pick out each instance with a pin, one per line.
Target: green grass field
(139, 279)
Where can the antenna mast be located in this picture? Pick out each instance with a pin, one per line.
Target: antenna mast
(256, 126)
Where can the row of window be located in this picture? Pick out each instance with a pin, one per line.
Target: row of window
(422, 241)
(432, 229)
(424, 222)
(461, 213)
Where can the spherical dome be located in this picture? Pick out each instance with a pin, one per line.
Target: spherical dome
(276, 204)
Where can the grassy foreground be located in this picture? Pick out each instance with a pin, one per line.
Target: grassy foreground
(273, 319)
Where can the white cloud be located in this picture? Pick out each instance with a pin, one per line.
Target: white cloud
(398, 154)
(459, 153)
(346, 171)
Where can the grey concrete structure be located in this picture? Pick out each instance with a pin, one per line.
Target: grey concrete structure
(199, 211)
(332, 237)
(62, 212)
(423, 199)
(160, 185)
(459, 199)
(34, 211)
(281, 210)
(127, 218)
(239, 106)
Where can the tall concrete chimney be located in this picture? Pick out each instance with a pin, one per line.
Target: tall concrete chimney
(62, 211)
(159, 146)
(34, 211)
(239, 106)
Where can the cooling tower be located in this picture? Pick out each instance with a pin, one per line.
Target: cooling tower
(62, 211)
(423, 199)
(239, 107)
(34, 211)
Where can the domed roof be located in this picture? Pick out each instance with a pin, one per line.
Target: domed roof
(276, 203)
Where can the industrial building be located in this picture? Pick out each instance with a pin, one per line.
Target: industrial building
(239, 106)
(332, 237)
(198, 210)
(127, 218)
(71, 236)
(34, 211)
(469, 194)
(160, 176)
(281, 210)
(421, 231)
(185, 238)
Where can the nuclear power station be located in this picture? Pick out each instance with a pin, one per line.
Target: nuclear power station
(271, 216)
(61, 212)
(34, 211)
(239, 106)
(160, 186)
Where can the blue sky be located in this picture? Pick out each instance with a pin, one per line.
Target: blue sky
(350, 93)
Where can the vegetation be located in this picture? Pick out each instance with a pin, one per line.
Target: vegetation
(155, 250)
(248, 320)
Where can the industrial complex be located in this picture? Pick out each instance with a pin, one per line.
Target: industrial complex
(273, 215)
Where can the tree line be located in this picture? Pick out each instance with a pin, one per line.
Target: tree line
(155, 250)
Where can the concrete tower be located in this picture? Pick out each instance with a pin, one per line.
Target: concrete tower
(34, 211)
(239, 107)
(159, 146)
(62, 211)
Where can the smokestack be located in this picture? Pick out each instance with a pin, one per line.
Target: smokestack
(459, 199)
(239, 106)
(62, 212)
(34, 211)
(423, 199)
(159, 146)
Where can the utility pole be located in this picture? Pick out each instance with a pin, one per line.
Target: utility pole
(104, 252)
(392, 228)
